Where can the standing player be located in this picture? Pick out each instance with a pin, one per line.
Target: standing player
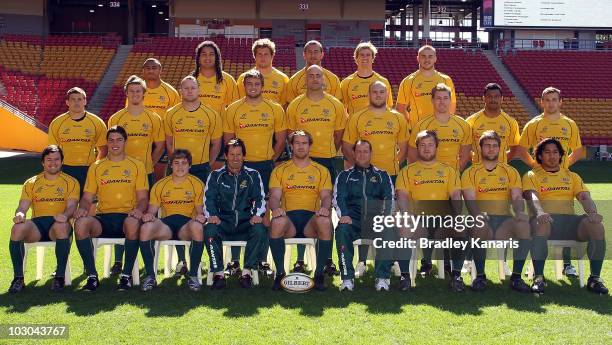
(300, 200)
(313, 54)
(258, 122)
(550, 190)
(119, 182)
(489, 187)
(53, 197)
(413, 96)
(235, 205)
(552, 124)
(453, 132)
(321, 114)
(355, 88)
(275, 81)
(80, 134)
(493, 118)
(353, 189)
(180, 198)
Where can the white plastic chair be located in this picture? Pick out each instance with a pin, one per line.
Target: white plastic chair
(40, 260)
(310, 257)
(557, 246)
(108, 243)
(227, 257)
(169, 247)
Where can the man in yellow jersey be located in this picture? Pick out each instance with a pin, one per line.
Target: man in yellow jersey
(300, 200)
(453, 132)
(146, 130)
(355, 88)
(489, 187)
(119, 182)
(550, 190)
(425, 188)
(180, 198)
(322, 115)
(386, 129)
(80, 134)
(53, 197)
(493, 118)
(552, 124)
(218, 89)
(258, 122)
(414, 93)
(275, 81)
(313, 54)
(235, 206)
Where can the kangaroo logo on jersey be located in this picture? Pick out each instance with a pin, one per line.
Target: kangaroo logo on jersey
(564, 130)
(265, 116)
(503, 179)
(126, 172)
(145, 126)
(162, 99)
(291, 177)
(188, 194)
(311, 179)
(325, 112)
(305, 111)
(455, 133)
(59, 191)
(200, 123)
(243, 116)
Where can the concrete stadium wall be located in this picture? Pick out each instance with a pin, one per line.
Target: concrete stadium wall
(23, 7)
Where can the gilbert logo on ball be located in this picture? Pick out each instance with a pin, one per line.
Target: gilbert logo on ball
(297, 283)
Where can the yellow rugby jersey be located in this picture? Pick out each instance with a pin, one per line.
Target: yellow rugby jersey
(492, 187)
(160, 99)
(384, 132)
(321, 119)
(415, 92)
(255, 125)
(218, 95)
(116, 183)
(354, 91)
(504, 125)
(49, 197)
(297, 84)
(181, 198)
(301, 186)
(564, 129)
(143, 130)
(78, 139)
(274, 88)
(556, 190)
(193, 130)
(451, 136)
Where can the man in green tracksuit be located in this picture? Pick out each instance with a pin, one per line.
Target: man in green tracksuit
(234, 206)
(358, 193)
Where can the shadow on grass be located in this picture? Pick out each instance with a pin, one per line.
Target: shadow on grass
(172, 298)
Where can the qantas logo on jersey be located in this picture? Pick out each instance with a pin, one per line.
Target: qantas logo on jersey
(49, 200)
(495, 189)
(557, 138)
(314, 119)
(422, 94)
(75, 140)
(448, 140)
(417, 183)
(105, 182)
(356, 97)
(553, 189)
(210, 96)
(189, 130)
(143, 135)
(178, 202)
(368, 133)
(295, 186)
(252, 125)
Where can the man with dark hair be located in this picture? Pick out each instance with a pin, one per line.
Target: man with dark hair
(300, 200)
(550, 190)
(353, 189)
(119, 182)
(234, 205)
(53, 197)
(489, 187)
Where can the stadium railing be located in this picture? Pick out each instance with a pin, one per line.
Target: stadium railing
(551, 44)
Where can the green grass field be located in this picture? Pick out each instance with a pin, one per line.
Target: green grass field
(430, 313)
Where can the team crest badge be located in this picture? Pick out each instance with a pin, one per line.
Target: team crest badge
(564, 130)
(565, 180)
(369, 123)
(243, 116)
(87, 132)
(311, 179)
(162, 99)
(145, 126)
(325, 112)
(545, 129)
(545, 180)
(200, 123)
(265, 116)
(389, 125)
(126, 172)
(59, 191)
(188, 194)
(105, 173)
(179, 121)
(243, 184)
(291, 177)
(419, 85)
(502, 179)
(167, 194)
(355, 88)
(305, 111)
(455, 133)
(373, 179)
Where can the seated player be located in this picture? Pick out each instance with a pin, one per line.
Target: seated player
(489, 187)
(550, 190)
(300, 200)
(234, 205)
(120, 184)
(180, 198)
(354, 188)
(53, 197)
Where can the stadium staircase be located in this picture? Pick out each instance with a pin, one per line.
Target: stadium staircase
(106, 84)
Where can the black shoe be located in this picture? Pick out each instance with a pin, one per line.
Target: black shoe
(265, 269)
(125, 283)
(219, 282)
(148, 283)
(457, 284)
(426, 268)
(232, 268)
(299, 267)
(331, 269)
(319, 282)
(92, 283)
(538, 285)
(277, 281)
(596, 285)
(116, 269)
(58, 284)
(447, 268)
(181, 269)
(479, 284)
(518, 284)
(405, 284)
(18, 284)
(246, 281)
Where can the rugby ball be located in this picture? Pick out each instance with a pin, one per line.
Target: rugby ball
(297, 283)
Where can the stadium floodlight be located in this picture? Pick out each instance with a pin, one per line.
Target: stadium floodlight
(154, 5)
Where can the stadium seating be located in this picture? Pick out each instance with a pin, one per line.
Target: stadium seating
(470, 71)
(582, 78)
(37, 71)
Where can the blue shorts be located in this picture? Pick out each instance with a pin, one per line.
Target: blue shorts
(44, 224)
(300, 218)
(175, 222)
(112, 224)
